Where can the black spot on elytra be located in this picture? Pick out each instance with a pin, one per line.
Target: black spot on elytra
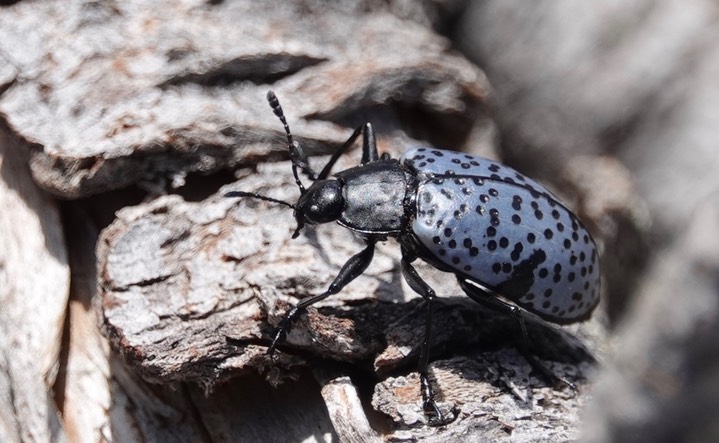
(516, 203)
(521, 280)
(517, 252)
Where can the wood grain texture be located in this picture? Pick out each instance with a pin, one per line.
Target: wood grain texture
(34, 288)
(149, 92)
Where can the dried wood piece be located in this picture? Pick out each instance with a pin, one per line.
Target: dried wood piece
(139, 91)
(345, 409)
(34, 287)
(493, 396)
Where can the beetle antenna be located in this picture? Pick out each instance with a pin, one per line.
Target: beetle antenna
(296, 153)
(259, 197)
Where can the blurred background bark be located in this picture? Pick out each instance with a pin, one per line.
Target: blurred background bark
(135, 302)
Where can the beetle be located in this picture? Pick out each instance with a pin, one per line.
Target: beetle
(511, 244)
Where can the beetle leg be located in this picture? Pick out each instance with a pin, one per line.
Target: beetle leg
(419, 286)
(354, 267)
(369, 144)
(497, 304)
(369, 149)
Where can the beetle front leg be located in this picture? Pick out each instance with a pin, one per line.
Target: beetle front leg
(429, 405)
(353, 268)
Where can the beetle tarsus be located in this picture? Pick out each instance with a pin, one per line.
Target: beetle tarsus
(429, 405)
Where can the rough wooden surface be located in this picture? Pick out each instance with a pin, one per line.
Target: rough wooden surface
(149, 92)
(34, 287)
(613, 106)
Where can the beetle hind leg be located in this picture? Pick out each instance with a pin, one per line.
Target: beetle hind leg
(497, 304)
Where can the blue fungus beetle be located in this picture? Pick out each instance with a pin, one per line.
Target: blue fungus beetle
(510, 243)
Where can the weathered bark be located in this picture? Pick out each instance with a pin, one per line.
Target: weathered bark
(614, 107)
(34, 287)
(149, 92)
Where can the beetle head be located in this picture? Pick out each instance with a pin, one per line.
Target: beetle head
(321, 203)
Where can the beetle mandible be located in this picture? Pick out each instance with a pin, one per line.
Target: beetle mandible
(511, 244)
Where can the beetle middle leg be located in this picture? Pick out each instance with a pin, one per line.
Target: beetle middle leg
(497, 304)
(369, 149)
(353, 268)
(429, 405)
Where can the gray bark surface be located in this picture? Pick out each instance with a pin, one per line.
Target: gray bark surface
(136, 303)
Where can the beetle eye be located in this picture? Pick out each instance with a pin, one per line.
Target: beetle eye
(322, 203)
